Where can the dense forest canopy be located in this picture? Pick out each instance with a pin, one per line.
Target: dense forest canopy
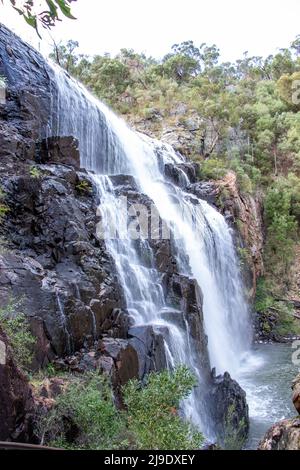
(253, 95)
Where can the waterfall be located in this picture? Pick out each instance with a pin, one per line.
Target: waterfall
(202, 239)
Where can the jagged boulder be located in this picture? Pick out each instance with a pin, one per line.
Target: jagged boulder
(125, 359)
(282, 436)
(229, 411)
(149, 345)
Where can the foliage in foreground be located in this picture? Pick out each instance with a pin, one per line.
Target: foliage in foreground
(85, 416)
(153, 416)
(234, 433)
(46, 14)
(16, 327)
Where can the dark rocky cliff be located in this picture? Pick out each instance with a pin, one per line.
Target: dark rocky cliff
(52, 259)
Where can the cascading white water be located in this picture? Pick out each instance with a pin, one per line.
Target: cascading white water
(142, 285)
(203, 240)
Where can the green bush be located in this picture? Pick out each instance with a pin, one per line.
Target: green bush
(213, 168)
(35, 172)
(243, 179)
(244, 256)
(152, 409)
(84, 417)
(84, 187)
(234, 432)
(16, 327)
(264, 299)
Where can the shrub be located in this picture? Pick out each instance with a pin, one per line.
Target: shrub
(34, 172)
(242, 177)
(84, 187)
(153, 417)
(263, 299)
(16, 327)
(213, 168)
(244, 256)
(234, 432)
(286, 322)
(3, 211)
(84, 417)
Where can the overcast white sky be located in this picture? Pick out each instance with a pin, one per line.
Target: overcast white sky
(259, 26)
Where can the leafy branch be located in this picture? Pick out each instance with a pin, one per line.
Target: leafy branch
(48, 17)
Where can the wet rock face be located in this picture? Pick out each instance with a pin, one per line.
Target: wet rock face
(244, 213)
(205, 190)
(25, 115)
(149, 345)
(15, 397)
(229, 411)
(247, 211)
(54, 260)
(184, 298)
(63, 150)
(181, 174)
(184, 294)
